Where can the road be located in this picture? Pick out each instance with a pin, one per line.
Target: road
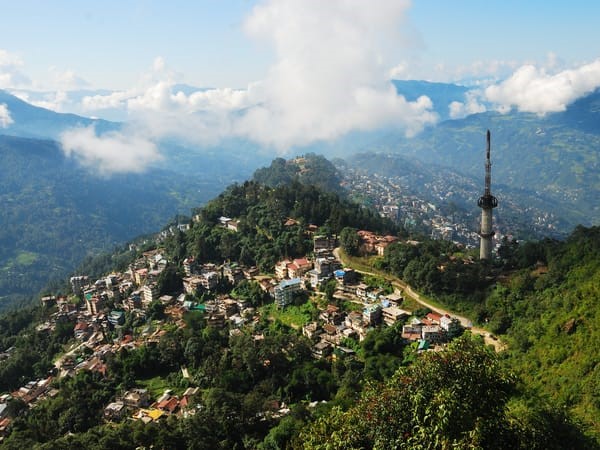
(410, 292)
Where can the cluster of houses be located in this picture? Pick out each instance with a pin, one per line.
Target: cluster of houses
(98, 312)
(137, 405)
(30, 394)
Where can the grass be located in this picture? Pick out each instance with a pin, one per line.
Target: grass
(25, 258)
(156, 386)
(295, 316)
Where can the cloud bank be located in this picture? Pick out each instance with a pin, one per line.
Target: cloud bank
(110, 153)
(5, 119)
(329, 78)
(532, 89)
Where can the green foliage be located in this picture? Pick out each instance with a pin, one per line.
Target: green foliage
(262, 238)
(456, 398)
(349, 240)
(310, 169)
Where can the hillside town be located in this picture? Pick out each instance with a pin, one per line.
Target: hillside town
(443, 206)
(101, 312)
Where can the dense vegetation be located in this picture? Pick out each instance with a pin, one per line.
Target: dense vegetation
(459, 398)
(309, 169)
(264, 233)
(549, 309)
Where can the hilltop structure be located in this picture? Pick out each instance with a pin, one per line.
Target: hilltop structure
(487, 202)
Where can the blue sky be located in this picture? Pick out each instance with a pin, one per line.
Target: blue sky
(110, 43)
(287, 73)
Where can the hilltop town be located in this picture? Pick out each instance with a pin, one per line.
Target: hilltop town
(123, 311)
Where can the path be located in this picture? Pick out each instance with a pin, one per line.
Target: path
(410, 292)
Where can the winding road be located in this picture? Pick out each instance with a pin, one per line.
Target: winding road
(410, 292)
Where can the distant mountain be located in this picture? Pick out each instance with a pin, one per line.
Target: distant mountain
(53, 212)
(555, 157)
(40, 123)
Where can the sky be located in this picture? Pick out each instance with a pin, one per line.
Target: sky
(287, 73)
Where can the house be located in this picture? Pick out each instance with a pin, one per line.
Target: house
(391, 315)
(354, 320)
(116, 317)
(345, 276)
(233, 225)
(362, 290)
(431, 333)
(321, 243)
(140, 276)
(412, 331)
(311, 330)
(192, 284)
(81, 331)
(450, 324)
(114, 411)
(150, 293)
(169, 405)
(136, 398)
(77, 283)
(281, 269)
(189, 266)
(298, 267)
(372, 314)
(331, 314)
(94, 303)
(322, 349)
(223, 221)
(215, 320)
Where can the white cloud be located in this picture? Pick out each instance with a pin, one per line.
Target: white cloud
(532, 89)
(54, 101)
(471, 105)
(329, 77)
(111, 153)
(67, 79)
(5, 119)
(10, 71)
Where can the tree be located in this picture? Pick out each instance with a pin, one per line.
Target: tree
(349, 240)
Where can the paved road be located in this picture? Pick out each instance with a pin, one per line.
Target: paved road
(410, 292)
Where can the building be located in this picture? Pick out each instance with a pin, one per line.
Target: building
(114, 411)
(324, 243)
(372, 314)
(431, 333)
(391, 315)
(78, 283)
(298, 267)
(281, 269)
(285, 291)
(150, 293)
